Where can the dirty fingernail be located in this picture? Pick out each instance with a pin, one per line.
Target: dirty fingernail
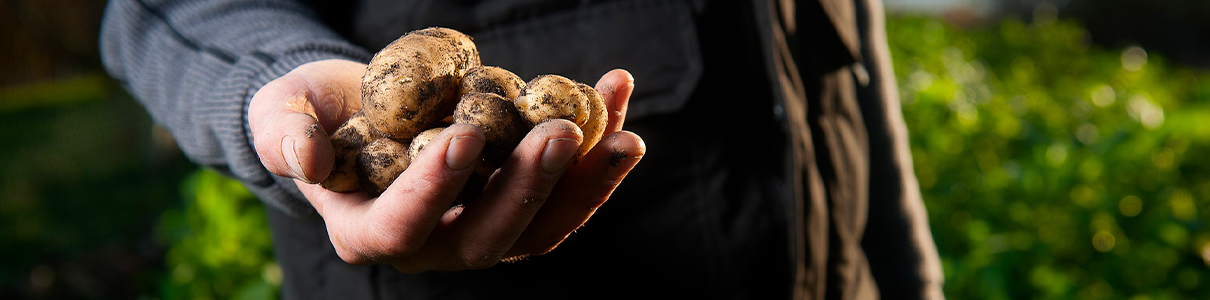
(621, 163)
(463, 152)
(557, 154)
(289, 153)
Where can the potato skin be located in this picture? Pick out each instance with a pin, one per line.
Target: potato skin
(421, 140)
(379, 163)
(410, 84)
(347, 142)
(502, 125)
(494, 80)
(549, 97)
(598, 118)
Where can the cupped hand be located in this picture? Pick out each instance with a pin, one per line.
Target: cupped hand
(528, 207)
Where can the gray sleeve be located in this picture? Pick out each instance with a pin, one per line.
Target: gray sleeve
(194, 65)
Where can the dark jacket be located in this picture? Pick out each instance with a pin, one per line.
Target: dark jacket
(777, 161)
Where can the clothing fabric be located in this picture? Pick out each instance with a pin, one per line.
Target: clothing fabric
(777, 162)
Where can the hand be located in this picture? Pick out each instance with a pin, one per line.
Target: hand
(527, 208)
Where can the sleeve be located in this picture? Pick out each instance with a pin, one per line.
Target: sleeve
(898, 242)
(195, 64)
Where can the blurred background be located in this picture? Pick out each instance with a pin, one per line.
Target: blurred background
(1056, 143)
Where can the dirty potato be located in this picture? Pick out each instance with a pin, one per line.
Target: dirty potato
(421, 140)
(502, 126)
(598, 118)
(413, 82)
(549, 97)
(494, 80)
(347, 142)
(379, 163)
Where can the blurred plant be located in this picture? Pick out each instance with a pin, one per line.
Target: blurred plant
(1055, 169)
(220, 243)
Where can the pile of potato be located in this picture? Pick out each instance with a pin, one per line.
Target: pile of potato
(431, 78)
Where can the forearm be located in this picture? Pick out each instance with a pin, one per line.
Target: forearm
(195, 65)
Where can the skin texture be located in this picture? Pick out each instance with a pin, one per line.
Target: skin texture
(501, 124)
(347, 142)
(531, 204)
(548, 97)
(414, 79)
(494, 80)
(379, 163)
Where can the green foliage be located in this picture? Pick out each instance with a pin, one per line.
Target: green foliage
(1054, 169)
(73, 223)
(220, 243)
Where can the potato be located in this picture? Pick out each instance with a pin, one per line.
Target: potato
(494, 80)
(432, 78)
(347, 142)
(413, 82)
(598, 118)
(502, 126)
(549, 97)
(421, 140)
(379, 163)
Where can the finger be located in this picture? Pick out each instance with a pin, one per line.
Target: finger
(287, 137)
(616, 87)
(582, 190)
(398, 222)
(342, 213)
(335, 90)
(487, 227)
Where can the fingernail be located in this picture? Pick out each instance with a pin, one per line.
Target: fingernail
(558, 154)
(463, 152)
(291, 155)
(620, 163)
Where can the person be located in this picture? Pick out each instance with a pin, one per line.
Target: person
(775, 159)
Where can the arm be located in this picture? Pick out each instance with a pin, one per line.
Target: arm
(196, 64)
(247, 88)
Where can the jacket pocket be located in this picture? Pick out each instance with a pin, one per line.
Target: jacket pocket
(655, 40)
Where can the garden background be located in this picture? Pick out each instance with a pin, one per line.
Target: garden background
(1056, 142)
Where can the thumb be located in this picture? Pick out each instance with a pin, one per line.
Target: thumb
(286, 133)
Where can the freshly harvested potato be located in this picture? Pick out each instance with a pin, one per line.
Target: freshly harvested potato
(413, 82)
(598, 118)
(432, 78)
(421, 140)
(494, 80)
(347, 141)
(549, 97)
(379, 163)
(502, 126)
